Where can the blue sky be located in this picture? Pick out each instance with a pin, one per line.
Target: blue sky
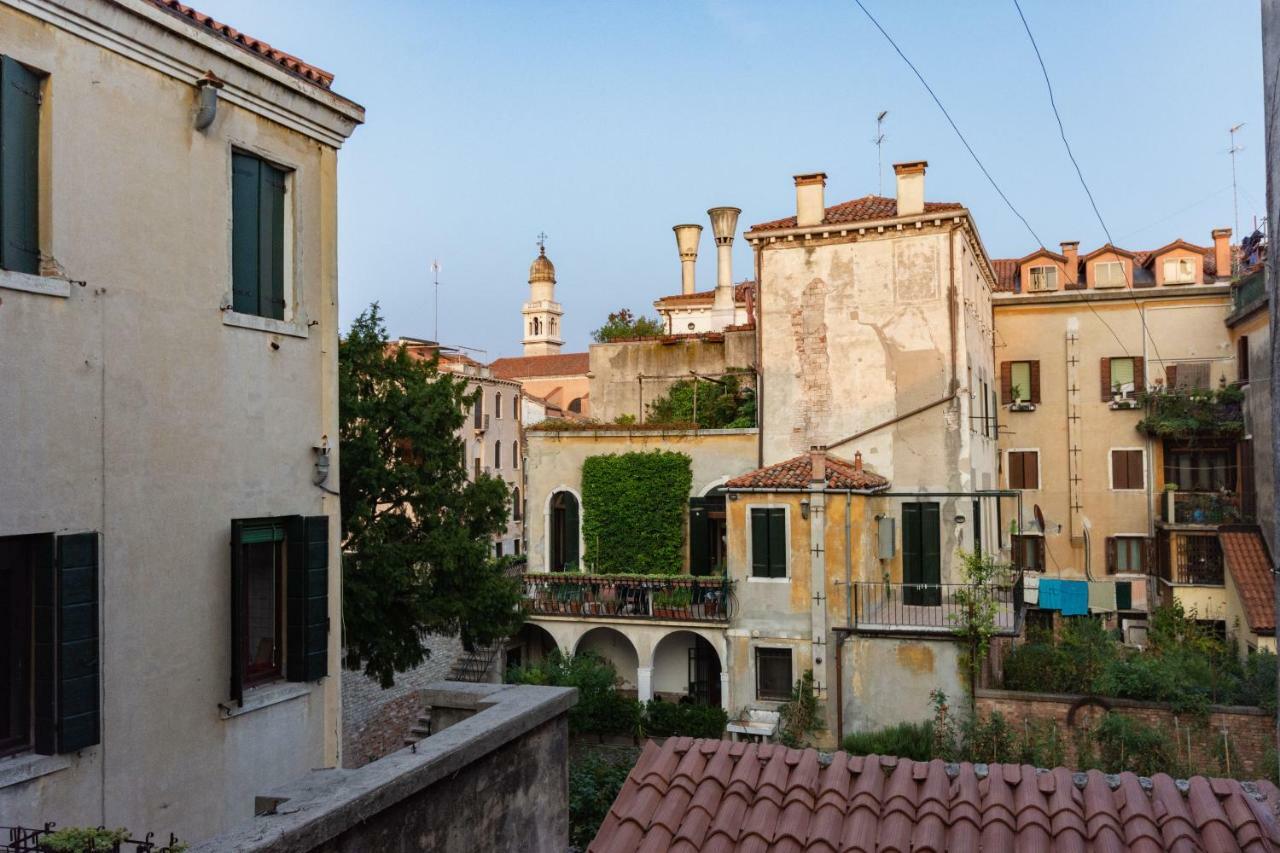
(605, 123)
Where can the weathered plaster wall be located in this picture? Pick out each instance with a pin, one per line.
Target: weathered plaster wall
(560, 391)
(554, 462)
(503, 432)
(888, 680)
(1257, 413)
(135, 412)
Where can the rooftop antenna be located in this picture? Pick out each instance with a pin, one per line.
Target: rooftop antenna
(1235, 199)
(879, 140)
(435, 272)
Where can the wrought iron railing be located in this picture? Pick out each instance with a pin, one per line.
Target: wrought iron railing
(21, 839)
(933, 607)
(683, 598)
(1201, 508)
(1195, 559)
(1248, 290)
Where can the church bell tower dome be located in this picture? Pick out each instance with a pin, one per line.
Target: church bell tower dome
(542, 314)
(542, 269)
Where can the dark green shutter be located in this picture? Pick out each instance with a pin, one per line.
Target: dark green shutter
(977, 526)
(698, 552)
(79, 714)
(921, 553)
(777, 543)
(237, 611)
(245, 233)
(307, 588)
(911, 561)
(271, 242)
(571, 554)
(19, 167)
(760, 543)
(931, 551)
(45, 617)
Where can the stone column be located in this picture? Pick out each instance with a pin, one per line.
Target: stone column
(724, 691)
(644, 683)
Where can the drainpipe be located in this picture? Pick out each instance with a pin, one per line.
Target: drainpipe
(759, 333)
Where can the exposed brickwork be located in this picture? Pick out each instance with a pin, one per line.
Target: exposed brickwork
(375, 722)
(809, 330)
(1249, 730)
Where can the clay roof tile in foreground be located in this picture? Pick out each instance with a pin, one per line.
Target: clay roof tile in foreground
(865, 209)
(795, 474)
(778, 799)
(290, 63)
(1249, 563)
(524, 367)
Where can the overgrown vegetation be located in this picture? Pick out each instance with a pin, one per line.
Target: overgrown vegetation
(1185, 413)
(623, 324)
(74, 839)
(724, 403)
(633, 511)
(905, 740)
(417, 554)
(1184, 664)
(800, 717)
(595, 777)
(977, 606)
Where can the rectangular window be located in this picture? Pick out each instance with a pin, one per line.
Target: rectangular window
(1044, 278)
(1019, 382)
(1108, 274)
(773, 675)
(1024, 469)
(922, 554)
(1179, 271)
(262, 600)
(1188, 374)
(1127, 554)
(257, 237)
(1200, 469)
(17, 578)
(19, 167)
(1122, 377)
(768, 542)
(497, 549)
(1242, 359)
(1021, 379)
(1127, 470)
(1028, 552)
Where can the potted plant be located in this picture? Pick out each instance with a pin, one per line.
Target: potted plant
(1020, 403)
(670, 603)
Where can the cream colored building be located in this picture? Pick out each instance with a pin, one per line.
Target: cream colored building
(168, 328)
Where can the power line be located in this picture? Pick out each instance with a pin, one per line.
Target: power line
(950, 121)
(1062, 131)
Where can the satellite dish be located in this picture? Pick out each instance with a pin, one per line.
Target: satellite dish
(1035, 509)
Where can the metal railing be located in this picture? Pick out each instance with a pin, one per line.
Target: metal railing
(1201, 508)
(21, 839)
(1248, 290)
(683, 598)
(932, 607)
(1196, 559)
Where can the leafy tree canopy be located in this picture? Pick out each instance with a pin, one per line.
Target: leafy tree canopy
(623, 324)
(712, 404)
(417, 532)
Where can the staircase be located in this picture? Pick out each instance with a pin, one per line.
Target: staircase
(420, 729)
(474, 665)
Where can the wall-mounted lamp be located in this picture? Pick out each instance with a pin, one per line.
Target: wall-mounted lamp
(207, 100)
(804, 508)
(321, 451)
(959, 519)
(733, 496)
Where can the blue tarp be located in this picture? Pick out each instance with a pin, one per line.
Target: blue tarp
(1071, 597)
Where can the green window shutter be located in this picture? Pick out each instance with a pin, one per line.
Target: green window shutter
(777, 543)
(931, 542)
(79, 714)
(19, 167)
(307, 587)
(759, 543)
(45, 619)
(237, 611)
(245, 233)
(571, 555)
(911, 565)
(977, 526)
(698, 553)
(271, 242)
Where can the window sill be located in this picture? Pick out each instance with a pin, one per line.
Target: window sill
(28, 766)
(768, 580)
(1022, 407)
(263, 324)
(41, 284)
(1122, 405)
(256, 698)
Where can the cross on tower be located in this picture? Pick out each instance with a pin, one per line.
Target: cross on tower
(542, 242)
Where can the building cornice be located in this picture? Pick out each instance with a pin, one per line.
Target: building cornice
(137, 30)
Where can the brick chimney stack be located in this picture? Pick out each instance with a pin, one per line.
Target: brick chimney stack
(1071, 251)
(818, 464)
(1222, 251)
(857, 461)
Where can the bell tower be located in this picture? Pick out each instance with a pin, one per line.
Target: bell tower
(542, 313)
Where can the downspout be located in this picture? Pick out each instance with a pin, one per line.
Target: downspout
(758, 319)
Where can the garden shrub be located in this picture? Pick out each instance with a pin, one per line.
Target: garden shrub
(905, 740)
(601, 709)
(676, 719)
(595, 778)
(1125, 743)
(801, 715)
(633, 511)
(722, 404)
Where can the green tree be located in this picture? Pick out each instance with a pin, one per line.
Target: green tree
(710, 403)
(417, 532)
(976, 608)
(623, 324)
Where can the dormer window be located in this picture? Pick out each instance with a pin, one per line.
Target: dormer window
(1044, 278)
(1108, 274)
(1180, 271)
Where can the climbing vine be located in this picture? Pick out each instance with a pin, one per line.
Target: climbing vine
(633, 511)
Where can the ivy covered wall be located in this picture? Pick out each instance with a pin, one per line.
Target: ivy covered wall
(633, 510)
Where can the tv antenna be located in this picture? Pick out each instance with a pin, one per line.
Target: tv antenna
(879, 141)
(1235, 199)
(435, 272)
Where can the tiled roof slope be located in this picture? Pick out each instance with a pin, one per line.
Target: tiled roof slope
(1250, 567)
(1006, 269)
(523, 367)
(863, 209)
(740, 291)
(796, 473)
(712, 796)
(290, 63)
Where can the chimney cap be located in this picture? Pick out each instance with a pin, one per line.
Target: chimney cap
(811, 178)
(857, 461)
(910, 167)
(1221, 232)
(1070, 244)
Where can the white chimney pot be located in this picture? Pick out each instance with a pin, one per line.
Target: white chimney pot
(687, 239)
(811, 209)
(910, 187)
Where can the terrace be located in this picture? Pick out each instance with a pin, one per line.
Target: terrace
(679, 598)
(932, 608)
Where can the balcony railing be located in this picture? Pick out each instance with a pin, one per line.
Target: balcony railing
(1201, 508)
(931, 608)
(1193, 559)
(21, 839)
(1248, 290)
(682, 598)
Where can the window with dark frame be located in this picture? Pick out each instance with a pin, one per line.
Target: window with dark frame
(19, 167)
(773, 675)
(1242, 359)
(497, 404)
(1200, 469)
(1127, 554)
(497, 454)
(1028, 552)
(262, 599)
(17, 662)
(1024, 469)
(1127, 470)
(1122, 377)
(516, 509)
(1020, 382)
(515, 454)
(768, 542)
(257, 237)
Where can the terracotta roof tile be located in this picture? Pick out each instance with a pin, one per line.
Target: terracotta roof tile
(290, 63)
(796, 473)
(1006, 269)
(864, 209)
(1246, 556)
(740, 291)
(778, 799)
(525, 367)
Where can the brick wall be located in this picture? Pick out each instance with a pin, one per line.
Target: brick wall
(1250, 731)
(375, 722)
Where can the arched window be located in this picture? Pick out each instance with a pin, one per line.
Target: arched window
(516, 509)
(497, 404)
(497, 454)
(478, 410)
(515, 454)
(515, 407)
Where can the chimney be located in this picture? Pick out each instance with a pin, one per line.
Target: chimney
(818, 464)
(810, 208)
(724, 224)
(687, 239)
(910, 187)
(857, 461)
(1222, 251)
(1071, 250)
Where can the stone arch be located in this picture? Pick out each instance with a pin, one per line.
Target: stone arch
(689, 662)
(553, 561)
(615, 647)
(530, 645)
